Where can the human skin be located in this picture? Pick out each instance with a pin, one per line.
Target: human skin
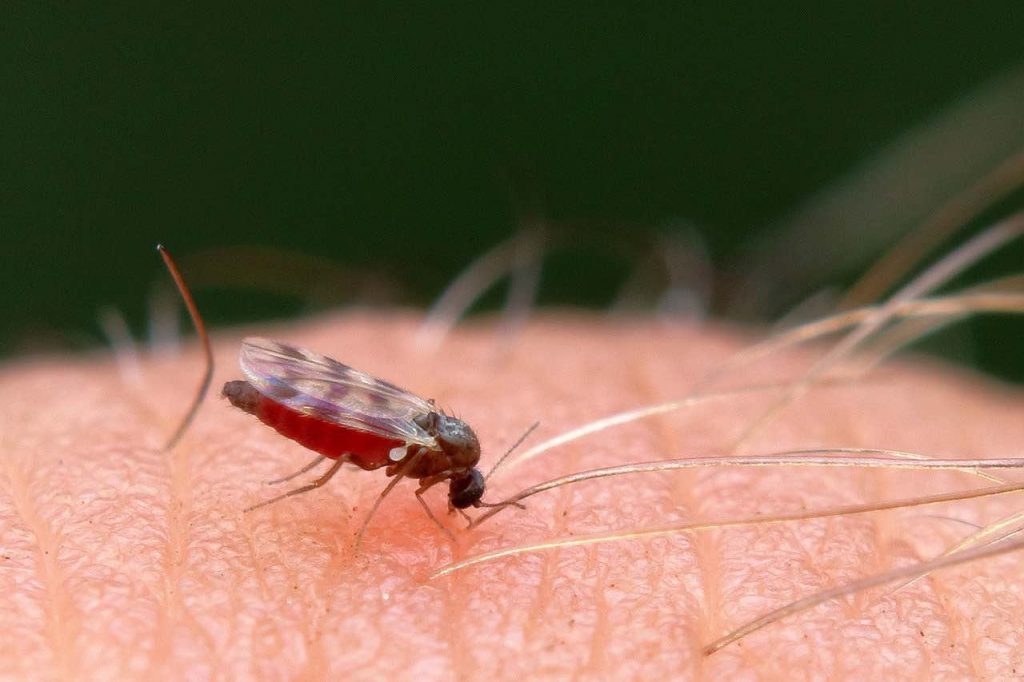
(121, 561)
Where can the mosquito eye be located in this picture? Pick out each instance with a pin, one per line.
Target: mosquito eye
(465, 492)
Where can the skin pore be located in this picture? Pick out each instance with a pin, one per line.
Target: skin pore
(121, 561)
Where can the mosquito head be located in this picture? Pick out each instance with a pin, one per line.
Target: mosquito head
(466, 491)
(458, 441)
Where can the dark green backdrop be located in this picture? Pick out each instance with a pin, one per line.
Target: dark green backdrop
(406, 140)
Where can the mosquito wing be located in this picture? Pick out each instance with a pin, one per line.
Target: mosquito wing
(313, 384)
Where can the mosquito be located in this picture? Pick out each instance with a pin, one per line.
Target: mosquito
(347, 416)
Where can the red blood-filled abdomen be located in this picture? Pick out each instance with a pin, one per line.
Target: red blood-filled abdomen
(366, 450)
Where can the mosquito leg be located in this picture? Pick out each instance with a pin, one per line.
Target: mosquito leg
(423, 503)
(497, 506)
(297, 473)
(306, 488)
(398, 473)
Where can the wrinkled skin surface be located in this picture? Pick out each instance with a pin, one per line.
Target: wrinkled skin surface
(120, 561)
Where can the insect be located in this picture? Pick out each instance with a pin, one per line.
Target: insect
(349, 416)
(346, 415)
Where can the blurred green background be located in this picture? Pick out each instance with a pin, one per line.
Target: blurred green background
(401, 142)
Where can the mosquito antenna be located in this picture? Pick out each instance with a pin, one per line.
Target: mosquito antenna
(510, 450)
(204, 340)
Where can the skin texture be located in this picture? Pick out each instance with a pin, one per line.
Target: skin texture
(120, 561)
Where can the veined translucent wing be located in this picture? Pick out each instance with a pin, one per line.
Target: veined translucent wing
(316, 385)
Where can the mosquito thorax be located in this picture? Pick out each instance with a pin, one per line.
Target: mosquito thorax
(466, 491)
(458, 441)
